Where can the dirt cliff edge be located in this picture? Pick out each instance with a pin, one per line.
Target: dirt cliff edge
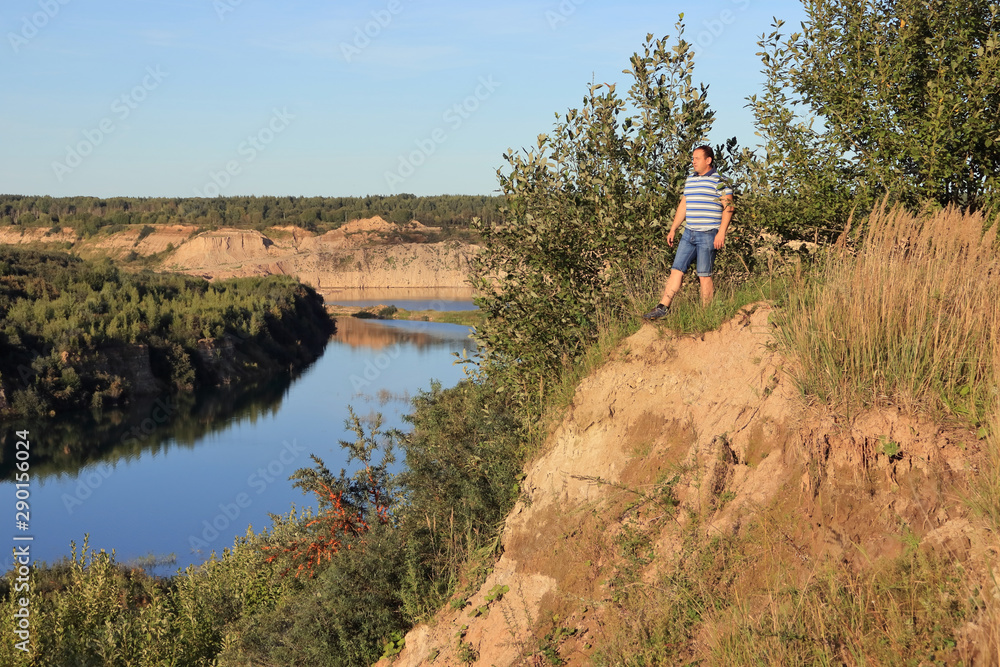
(705, 436)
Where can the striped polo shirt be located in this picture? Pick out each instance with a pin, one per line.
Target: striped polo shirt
(704, 200)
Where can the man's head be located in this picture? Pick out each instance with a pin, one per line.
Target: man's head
(701, 160)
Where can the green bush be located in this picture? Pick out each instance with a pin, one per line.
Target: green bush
(459, 483)
(837, 139)
(342, 617)
(463, 462)
(144, 232)
(583, 212)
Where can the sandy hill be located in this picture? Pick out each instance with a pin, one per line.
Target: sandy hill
(352, 256)
(380, 224)
(681, 439)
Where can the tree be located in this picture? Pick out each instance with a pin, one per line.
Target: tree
(349, 505)
(580, 209)
(910, 90)
(800, 185)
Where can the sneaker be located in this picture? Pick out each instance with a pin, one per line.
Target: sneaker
(656, 313)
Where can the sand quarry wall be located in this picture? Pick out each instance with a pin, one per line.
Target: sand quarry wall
(355, 256)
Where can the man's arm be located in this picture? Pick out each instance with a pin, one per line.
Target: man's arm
(727, 215)
(678, 219)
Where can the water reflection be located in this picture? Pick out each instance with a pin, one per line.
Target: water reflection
(380, 334)
(156, 425)
(155, 489)
(443, 298)
(152, 426)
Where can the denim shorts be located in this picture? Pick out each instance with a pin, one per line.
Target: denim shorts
(700, 244)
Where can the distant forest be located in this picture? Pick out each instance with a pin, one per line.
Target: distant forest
(88, 215)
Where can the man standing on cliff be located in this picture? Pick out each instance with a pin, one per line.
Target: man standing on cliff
(707, 205)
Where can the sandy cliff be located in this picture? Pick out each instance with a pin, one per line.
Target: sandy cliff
(358, 255)
(12, 235)
(714, 423)
(349, 257)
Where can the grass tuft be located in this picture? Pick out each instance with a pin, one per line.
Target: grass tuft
(912, 318)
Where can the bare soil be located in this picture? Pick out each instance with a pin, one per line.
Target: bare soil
(717, 419)
(359, 255)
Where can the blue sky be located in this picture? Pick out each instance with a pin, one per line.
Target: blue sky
(181, 98)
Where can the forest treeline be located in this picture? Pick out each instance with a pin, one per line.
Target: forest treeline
(76, 333)
(88, 215)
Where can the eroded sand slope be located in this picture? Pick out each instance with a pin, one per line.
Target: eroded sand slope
(718, 414)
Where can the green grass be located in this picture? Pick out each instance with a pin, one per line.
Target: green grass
(911, 318)
(742, 600)
(903, 611)
(688, 316)
(468, 318)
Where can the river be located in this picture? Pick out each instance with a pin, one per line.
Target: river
(186, 484)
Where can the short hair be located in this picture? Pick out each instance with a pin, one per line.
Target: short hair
(707, 152)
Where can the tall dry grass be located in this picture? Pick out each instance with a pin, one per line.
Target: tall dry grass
(912, 318)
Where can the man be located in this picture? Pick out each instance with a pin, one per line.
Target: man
(707, 204)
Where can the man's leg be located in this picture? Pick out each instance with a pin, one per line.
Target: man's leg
(707, 290)
(686, 252)
(706, 261)
(672, 287)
